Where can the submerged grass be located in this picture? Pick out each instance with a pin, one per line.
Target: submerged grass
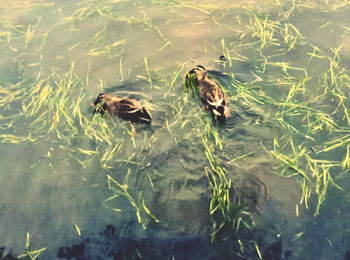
(226, 209)
(306, 123)
(309, 106)
(52, 112)
(28, 253)
(143, 214)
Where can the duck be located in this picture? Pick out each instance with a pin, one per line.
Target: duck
(211, 95)
(125, 108)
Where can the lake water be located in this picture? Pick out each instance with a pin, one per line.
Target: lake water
(271, 183)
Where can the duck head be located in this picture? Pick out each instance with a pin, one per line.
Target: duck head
(99, 99)
(99, 104)
(200, 71)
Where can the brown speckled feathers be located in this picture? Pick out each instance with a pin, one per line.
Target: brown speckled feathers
(125, 108)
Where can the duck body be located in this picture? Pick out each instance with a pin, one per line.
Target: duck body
(211, 94)
(125, 108)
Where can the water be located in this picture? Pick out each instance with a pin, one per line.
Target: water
(56, 156)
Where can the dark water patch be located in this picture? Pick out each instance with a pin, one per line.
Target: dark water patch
(114, 243)
(274, 251)
(6, 255)
(327, 236)
(347, 254)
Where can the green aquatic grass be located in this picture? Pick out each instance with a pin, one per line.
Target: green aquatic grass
(227, 211)
(54, 108)
(28, 253)
(307, 117)
(306, 122)
(143, 214)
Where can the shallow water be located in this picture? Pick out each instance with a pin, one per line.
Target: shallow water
(56, 156)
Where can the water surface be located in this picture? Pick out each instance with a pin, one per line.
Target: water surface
(85, 186)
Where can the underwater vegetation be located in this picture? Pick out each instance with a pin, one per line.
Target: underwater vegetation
(260, 184)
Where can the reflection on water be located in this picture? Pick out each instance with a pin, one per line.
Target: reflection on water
(56, 156)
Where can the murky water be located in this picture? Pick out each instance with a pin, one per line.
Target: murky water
(85, 187)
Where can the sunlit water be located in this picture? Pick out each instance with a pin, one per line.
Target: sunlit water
(59, 194)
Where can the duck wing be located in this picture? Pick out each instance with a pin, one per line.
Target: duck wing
(215, 101)
(213, 96)
(132, 110)
(216, 98)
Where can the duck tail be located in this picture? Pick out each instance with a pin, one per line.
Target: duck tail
(221, 113)
(221, 120)
(146, 116)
